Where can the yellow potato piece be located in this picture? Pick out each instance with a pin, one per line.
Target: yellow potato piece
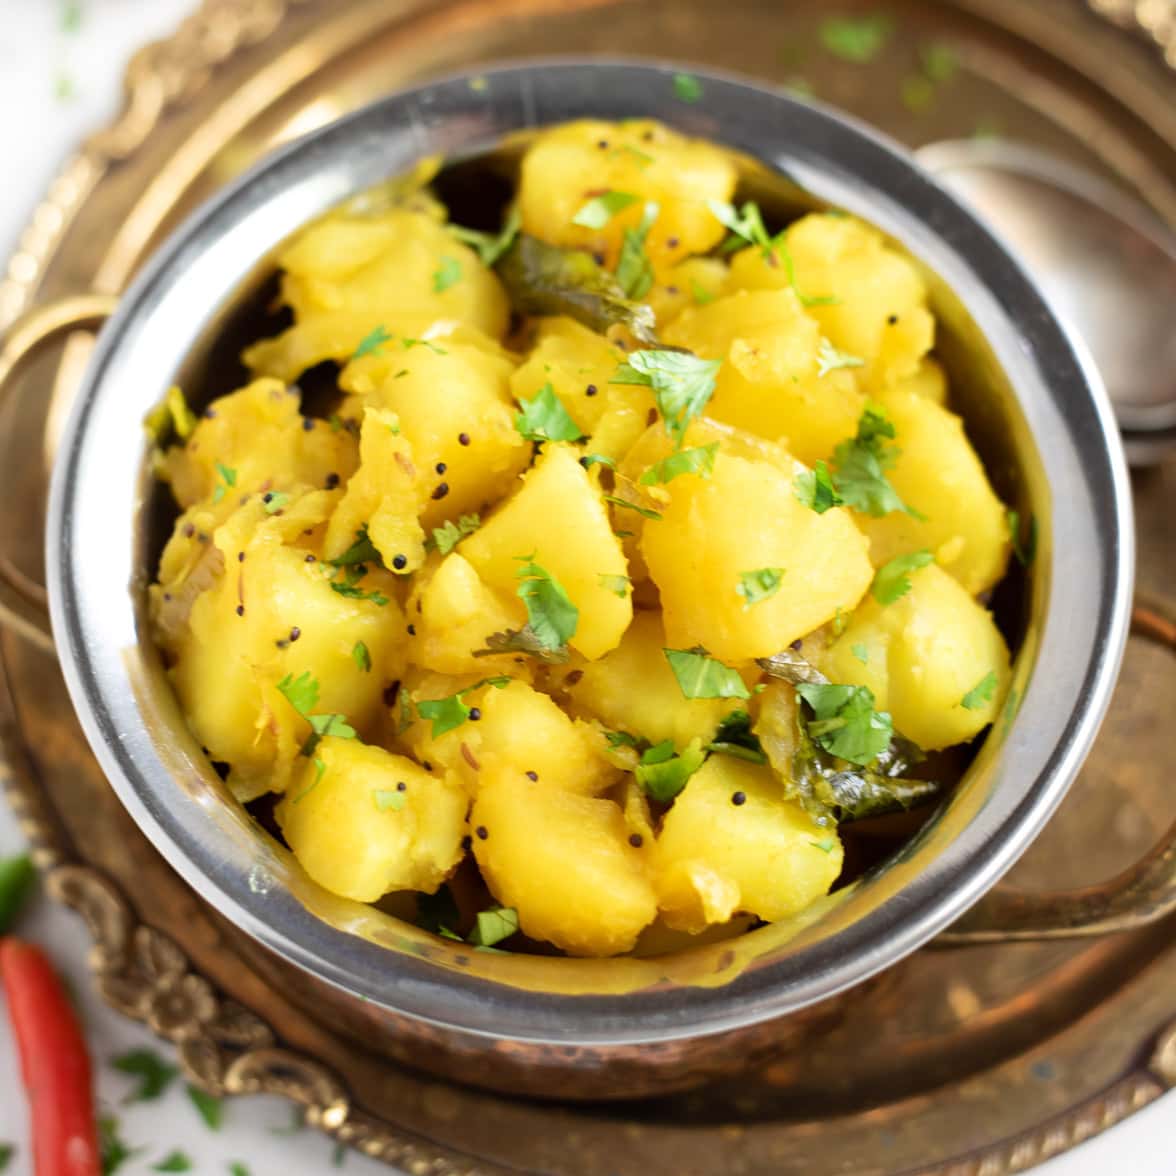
(742, 518)
(696, 281)
(763, 855)
(559, 520)
(357, 832)
(923, 654)
(564, 862)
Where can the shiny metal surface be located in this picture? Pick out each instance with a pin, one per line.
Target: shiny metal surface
(1044, 415)
(1107, 265)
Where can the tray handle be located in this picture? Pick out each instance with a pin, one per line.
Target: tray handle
(1141, 894)
(23, 606)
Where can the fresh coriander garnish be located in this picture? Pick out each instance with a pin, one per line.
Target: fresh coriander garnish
(861, 652)
(700, 293)
(302, 693)
(814, 488)
(829, 359)
(448, 713)
(981, 693)
(446, 274)
(663, 773)
(634, 269)
(701, 676)
(700, 460)
(209, 1107)
(759, 584)
(154, 1075)
(544, 418)
(733, 737)
(687, 88)
(551, 615)
(494, 925)
(591, 459)
(825, 845)
(624, 739)
(372, 343)
(840, 620)
(236, 1168)
(389, 799)
(228, 477)
(1024, 552)
(860, 465)
(642, 159)
(447, 536)
(617, 585)
(682, 384)
(361, 551)
(274, 501)
(409, 344)
(174, 1161)
(644, 511)
(349, 587)
(7, 1151)
(845, 722)
(892, 580)
(597, 211)
(362, 656)
(856, 39)
(113, 1151)
(490, 246)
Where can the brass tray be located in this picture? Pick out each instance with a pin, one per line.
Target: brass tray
(965, 1061)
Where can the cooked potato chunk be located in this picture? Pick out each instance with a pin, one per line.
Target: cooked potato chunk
(732, 843)
(940, 475)
(569, 165)
(693, 282)
(921, 656)
(745, 518)
(564, 862)
(771, 382)
(370, 822)
(557, 501)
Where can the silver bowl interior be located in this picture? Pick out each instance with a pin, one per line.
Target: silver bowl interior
(1033, 406)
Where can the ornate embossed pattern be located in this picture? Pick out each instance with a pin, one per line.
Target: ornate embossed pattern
(224, 1048)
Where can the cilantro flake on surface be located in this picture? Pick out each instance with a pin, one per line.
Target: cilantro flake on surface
(154, 1075)
(598, 210)
(389, 799)
(236, 1168)
(662, 772)
(981, 693)
(591, 459)
(624, 739)
(490, 246)
(373, 342)
(174, 1161)
(825, 845)
(700, 461)
(1026, 551)
(634, 269)
(892, 580)
(700, 293)
(701, 676)
(814, 488)
(227, 476)
(208, 1106)
(274, 501)
(427, 344)
(644, 511)
(493, 926)
(829, 359)
(734, 737)
(544, 418)
(447, 274)
(861, 652)
(7, 1151)
(687, 88)
(450, 712)
(617, 585)
(759, 584)
(856, 39)
(845, 722)
(302, 693)
(682, 384)
(860, 464)
(361, 551)
(551, 615)
(361, 655)
(447, 536)
(112, 1151)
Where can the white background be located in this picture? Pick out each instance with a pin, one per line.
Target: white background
(37, 129)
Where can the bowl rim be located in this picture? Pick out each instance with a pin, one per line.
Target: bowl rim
(1088, 577)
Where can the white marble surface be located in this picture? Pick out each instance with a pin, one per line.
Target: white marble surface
(38, 128)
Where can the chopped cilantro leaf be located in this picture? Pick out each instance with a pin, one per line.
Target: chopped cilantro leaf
(591, 459)
(860, 465)
(700, 293)
(372, 343)
(686, 461)
(892, 581)
(362, 656)
(596, 212)
(634, 269)
(981, 693)
(814, 488)
(1024, 552)
(153, 1073)
(829, 359)
(663, 773)
(733, 737)
(208, 1106)
(746, 225)
(354, 593)
(687, 88)
(623, 739)
(494, 925)
(551, 615)
(448, 273)
(544, 418)
(701, 676)
(362, 551)
(617, 585)
(448, 713)
(409, 344)
(861, 652)
(682, 384)
(113, 1151)
(856, 39)
(840, 620)
(758, 585)
(7, 1151)
(389, 799)
(228, 477)
(236, 1168)
(174, 1161)
(825, 845)
(845, 722)
(334, 725)
(302, 693)
(490, 246)
(644, 511)
(447, 537)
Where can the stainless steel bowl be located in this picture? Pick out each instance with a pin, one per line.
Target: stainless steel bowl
(1034, 407)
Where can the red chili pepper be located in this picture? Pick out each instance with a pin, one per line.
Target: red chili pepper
(54, 1062)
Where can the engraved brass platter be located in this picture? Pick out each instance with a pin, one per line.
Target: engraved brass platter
(965, 1060)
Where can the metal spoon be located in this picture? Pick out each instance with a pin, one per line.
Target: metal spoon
(1106, 264)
